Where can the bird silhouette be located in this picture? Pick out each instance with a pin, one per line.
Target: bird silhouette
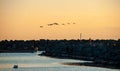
(68, 23)
(74, 23)
(55, 23)
(50, 24)
(41, 26)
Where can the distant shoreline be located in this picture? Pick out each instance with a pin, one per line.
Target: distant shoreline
(92, 64)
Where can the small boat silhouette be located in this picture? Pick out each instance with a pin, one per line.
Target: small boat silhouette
(15, 66)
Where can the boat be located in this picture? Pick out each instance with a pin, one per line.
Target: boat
(15, 66)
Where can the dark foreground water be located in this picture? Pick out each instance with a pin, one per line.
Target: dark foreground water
(33, 62)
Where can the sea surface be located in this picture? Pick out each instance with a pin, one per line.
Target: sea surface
(33, 62)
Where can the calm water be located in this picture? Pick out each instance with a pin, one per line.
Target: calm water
(33, 62)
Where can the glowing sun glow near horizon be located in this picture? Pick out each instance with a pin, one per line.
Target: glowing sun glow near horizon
(96, 19)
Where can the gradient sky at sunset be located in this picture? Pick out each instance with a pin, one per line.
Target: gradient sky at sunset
(96, 19)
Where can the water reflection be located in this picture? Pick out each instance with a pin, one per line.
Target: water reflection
(32, 62)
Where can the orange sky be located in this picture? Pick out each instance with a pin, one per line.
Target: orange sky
(96, 19)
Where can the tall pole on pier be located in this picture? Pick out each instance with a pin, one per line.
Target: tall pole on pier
(80, 36)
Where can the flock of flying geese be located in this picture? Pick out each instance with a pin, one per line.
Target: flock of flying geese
(53, 24)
